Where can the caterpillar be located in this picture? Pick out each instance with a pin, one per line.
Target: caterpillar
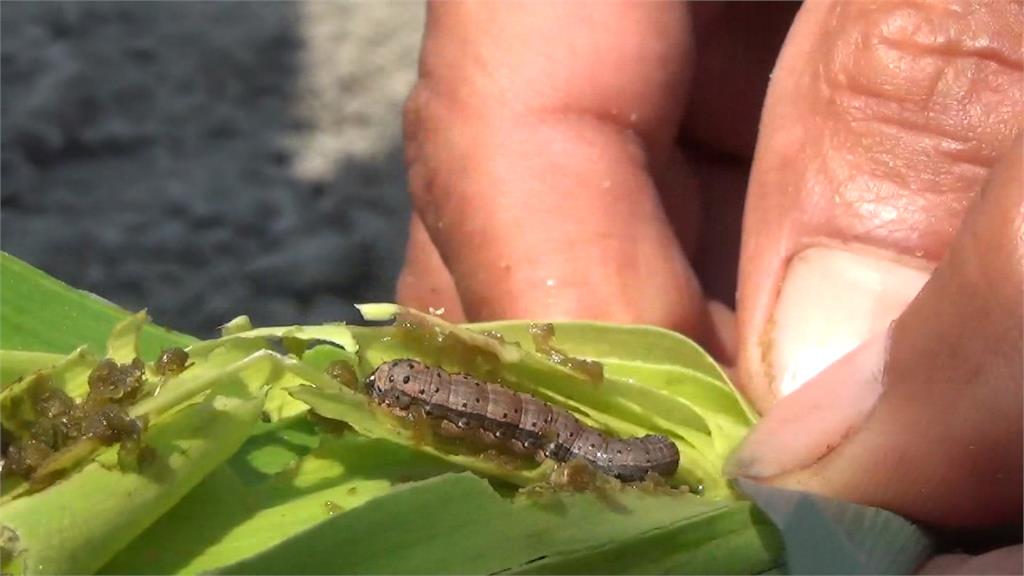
(524, 424)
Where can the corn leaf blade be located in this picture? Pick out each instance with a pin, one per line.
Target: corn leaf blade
(286, 479)
(76, 525)
(446, 525)
(42, 314)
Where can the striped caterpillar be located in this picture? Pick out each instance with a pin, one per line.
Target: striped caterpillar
(524, 424)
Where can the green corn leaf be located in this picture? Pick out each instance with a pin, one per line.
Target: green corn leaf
(123, 342)
(77, 524)
(458, 524)
(15, 364)
(309, 510)
(648, 344)
(41, 314)
(336, 334)
(737, 539)
(287, 479)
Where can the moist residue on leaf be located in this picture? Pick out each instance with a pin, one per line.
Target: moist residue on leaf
(332, 508)
(497, 337)
(343, 373)
(502, 458)
(445, 348)
(421, 425)
(544, 334)
(578, 476)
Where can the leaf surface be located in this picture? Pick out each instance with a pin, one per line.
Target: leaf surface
(42, 314)
(458, 524)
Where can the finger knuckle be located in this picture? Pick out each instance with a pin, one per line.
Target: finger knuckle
(942, 80)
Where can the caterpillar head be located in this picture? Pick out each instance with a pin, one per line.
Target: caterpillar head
(396, 374)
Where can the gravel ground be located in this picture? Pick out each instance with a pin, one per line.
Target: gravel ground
(208, 160)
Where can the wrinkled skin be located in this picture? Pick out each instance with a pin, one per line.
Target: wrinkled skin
(600, 160)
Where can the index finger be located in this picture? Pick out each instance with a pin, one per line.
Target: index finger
(538, 138)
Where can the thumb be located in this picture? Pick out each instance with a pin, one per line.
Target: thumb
(875, 135)
(924, 418)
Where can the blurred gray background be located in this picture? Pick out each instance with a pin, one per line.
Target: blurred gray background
(209, 159)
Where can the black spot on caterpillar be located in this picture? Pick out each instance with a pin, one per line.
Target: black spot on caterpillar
(525, 424)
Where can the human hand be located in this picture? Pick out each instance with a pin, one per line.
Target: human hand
(878, 135)
(881, 124)
(923, 418)
(544, 166)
